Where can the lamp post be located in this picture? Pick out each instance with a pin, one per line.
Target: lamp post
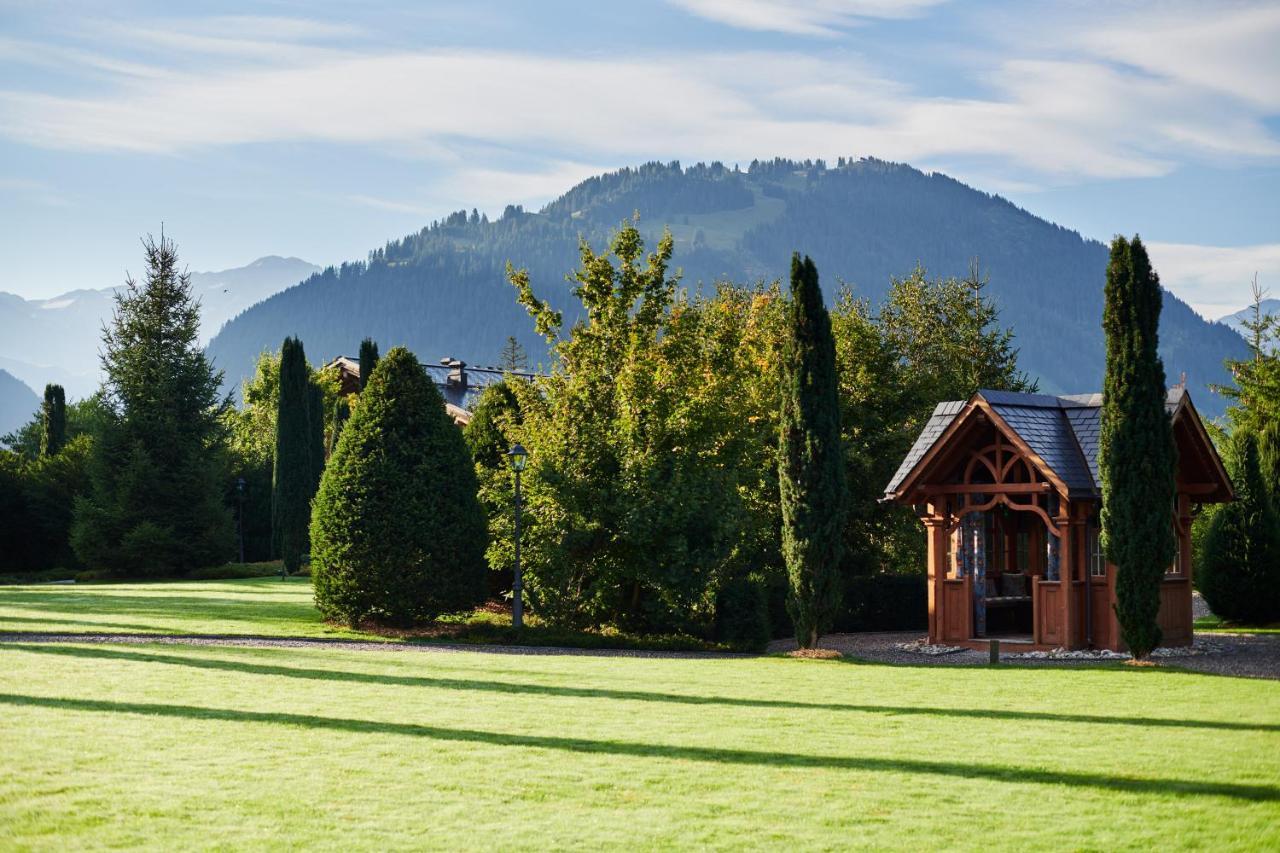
(240, 518)
(518, 456)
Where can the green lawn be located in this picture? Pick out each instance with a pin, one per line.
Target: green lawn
(175, 747)
(258, 606)
(1216, 625)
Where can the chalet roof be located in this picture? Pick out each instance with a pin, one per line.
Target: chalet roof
(1063, 431)
(459, 383)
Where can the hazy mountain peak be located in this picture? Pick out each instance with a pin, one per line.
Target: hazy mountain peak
(57, 339)
(1237, 320)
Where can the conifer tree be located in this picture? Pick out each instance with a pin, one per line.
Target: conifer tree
(315, 424)
(1137, 455)
(1240, 569)
(294, 479)
(53, 417)
(368, 360)
(341, 412)
(513, 358)
(810, 460)
(398, 533)
(157, 469)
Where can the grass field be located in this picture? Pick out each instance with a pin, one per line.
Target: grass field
(268, 607)
(1213, 623)
(177, 747)
(181, 747)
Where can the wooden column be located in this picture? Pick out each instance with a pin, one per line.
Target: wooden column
(1067, 572)
(1184, 535)
(936, 529)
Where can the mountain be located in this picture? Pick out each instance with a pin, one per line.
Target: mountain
(57, 340)
(442, 291)
(1270, 307)
(17, 403)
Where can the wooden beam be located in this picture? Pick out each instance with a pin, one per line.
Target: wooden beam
(986, 488)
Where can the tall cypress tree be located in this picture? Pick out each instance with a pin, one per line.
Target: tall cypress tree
(810, 459)
(341, 413)
(53, 418)
(1137, 455)
(368, 360)
(157, 471)
(294, 480)
(315, 424)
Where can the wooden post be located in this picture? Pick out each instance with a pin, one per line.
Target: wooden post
(936, 529)
(1067, 573)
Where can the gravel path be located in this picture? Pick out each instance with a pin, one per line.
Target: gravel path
(354, 645)
(1249, 655)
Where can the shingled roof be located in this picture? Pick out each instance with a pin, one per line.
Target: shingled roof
(1063, 431)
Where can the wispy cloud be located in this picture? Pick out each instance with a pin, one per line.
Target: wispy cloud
(823, 18)
(390, 205)
(1215, 279)
(1099, 105)
(1052, 120)
(37, 192)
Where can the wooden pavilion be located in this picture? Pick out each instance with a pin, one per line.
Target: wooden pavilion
(1007, 487)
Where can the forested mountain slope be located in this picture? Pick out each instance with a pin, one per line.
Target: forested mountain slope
(442, 291)
(17, 403)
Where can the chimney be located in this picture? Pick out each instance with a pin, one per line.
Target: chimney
(457, 377)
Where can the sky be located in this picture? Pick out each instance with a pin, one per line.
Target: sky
(321, 130)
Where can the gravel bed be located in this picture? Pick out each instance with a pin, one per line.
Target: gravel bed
(1251, 655)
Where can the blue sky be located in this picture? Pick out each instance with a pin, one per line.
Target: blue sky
(322, 129)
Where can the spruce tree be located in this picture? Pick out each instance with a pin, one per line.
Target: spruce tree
(1137, 455)
(810, 459)
(1240, 568)
(158, 465)
(398, 535)
(368, 360)
(53, 418)
(513, 358)
(294, 480)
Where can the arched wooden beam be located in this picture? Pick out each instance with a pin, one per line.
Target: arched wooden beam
(976, 456)
(967, 508)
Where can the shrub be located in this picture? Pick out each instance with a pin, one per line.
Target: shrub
(397, 532)
(236, 570)
(1240, 575)
(742, 614)
(884, 603)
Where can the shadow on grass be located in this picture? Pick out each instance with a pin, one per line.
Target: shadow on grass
(59, 620)
(170, 607)
(984, 772)
(627, 695)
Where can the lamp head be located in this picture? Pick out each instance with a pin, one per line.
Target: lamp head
(518, 456)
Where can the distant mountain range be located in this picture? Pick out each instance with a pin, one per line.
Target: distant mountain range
(57, 340)
(1237, 320)
(442, 290)
(17, 403)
